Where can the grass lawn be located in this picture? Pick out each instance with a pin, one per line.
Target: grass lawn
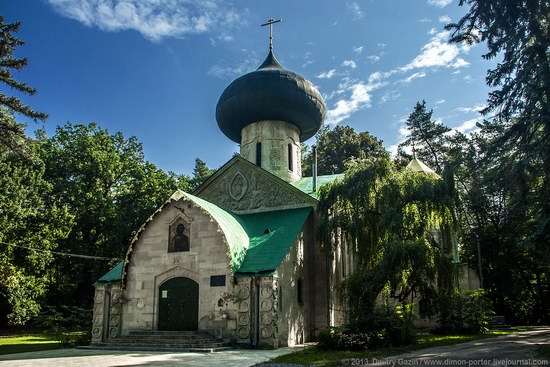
(28, 343)
(326, 358)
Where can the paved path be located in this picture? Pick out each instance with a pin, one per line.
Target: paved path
(103, 358)
(507, 350)
(501, 351)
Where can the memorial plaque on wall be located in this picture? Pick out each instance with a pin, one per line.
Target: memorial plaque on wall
(217, 281)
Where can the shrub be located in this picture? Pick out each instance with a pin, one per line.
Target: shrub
(478, 311)
(67, 323)
(465, 313)
(386, 327)
(67, 317)
(329, 338)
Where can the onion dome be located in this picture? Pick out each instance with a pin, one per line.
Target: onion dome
(270, 93)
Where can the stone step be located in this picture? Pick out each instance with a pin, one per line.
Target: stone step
(157, 332)
(149, 348)
(169, 345)
(150, 340)
(168, 337)
(209, 342)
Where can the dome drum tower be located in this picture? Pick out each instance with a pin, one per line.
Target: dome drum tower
(269, 112)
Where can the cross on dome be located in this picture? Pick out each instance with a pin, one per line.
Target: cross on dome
(270, 23)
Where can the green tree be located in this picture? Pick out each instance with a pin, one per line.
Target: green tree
(518, 154)
(12, 135)
(426, 136)
(386, 216)
(28, 221)
(201, 172)
(109, 188)
(337, 146)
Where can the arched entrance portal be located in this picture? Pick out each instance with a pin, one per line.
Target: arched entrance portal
(178, 305)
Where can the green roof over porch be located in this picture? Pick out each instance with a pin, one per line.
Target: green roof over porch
(112, 276)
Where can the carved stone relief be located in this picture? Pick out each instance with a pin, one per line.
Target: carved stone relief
(259, 191)
(97, 323)
(116, 310)
(238, 186)
(243, 318)
(275, 157)
(268, 311)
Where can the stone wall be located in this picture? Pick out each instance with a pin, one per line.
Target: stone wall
(302, 271)
(275, 137)
(151, 265)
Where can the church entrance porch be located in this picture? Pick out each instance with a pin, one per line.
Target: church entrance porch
(178, 305)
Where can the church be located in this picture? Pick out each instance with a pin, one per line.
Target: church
(237, 259)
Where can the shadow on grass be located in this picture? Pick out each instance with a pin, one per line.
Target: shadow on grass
(22, 348)
(326, 358)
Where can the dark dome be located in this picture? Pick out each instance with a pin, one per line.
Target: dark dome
(270, 93)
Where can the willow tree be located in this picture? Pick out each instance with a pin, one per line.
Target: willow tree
(388, 217)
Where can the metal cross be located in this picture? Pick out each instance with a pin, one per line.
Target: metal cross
(270, 23)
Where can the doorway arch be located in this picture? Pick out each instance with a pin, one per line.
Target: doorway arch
(178, 305)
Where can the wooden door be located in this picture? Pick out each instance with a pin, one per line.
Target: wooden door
(179, 305)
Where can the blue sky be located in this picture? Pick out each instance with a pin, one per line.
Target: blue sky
(156, 68)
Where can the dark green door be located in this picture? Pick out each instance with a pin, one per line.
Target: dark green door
(179, 304)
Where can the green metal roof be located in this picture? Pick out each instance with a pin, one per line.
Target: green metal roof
(305, 184)
(253, 252)
(112, 276)
(236, 236)
(271, 235)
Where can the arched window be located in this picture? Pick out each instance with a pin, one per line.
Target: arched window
(290, 158)
(259, 154)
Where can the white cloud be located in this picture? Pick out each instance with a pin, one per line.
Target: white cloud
(373, 58)
(477, 108)
(412, 77)
(349, 63)
(425, 20)
(438, 53)
(441, 101)
(355, 9)
(468, 78)
(154, 19)
(403, 134)
(225, 71)
(358, 50)
(460, 63)
(359, 98)
(389, 96)
(440, 3)
(327, 74)
(445, 19)
(467, 127)
(378, 75)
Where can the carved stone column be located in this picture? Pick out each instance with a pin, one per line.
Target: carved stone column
(243, 314)
(115, 313)
(268, 313)
(97, 317)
